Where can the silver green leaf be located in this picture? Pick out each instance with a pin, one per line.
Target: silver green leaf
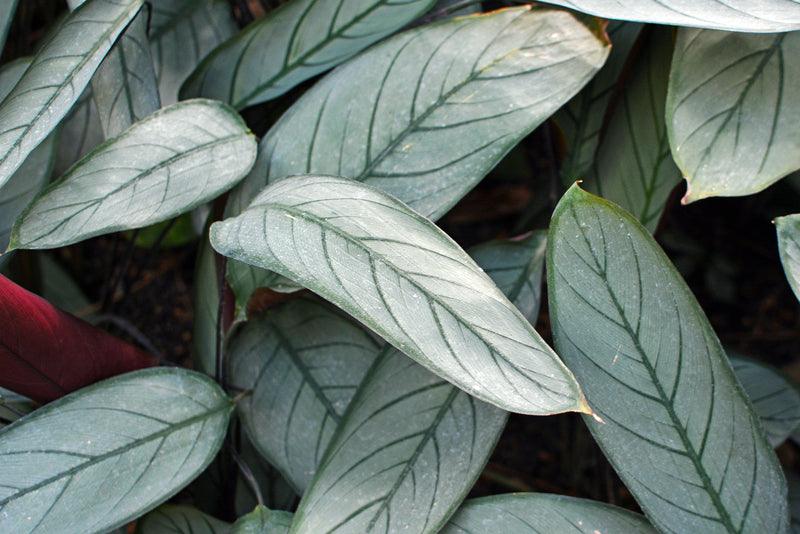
(57, 76)
(774, 398)
(13, 406)
(182, 33)
(7, 10)
(111, 451)
(177, 519)
(633, 167)
(272, 486)
(78, 133)
(205, 293)
(262, 520)
(303, 362)
(60, 289)
(381, 476)
(401, 276)
(174, 160)
(434, 109)
(533, 513)
(581, 119)
(733, 109)
(675, 425)
(788, 229)
(292, 43)
(735, 15)
(516, 266)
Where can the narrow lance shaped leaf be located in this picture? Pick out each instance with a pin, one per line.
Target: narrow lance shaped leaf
(173, 161)
(735, 15)
(78, 133)
(182, 33)
(532, 513)
(634, 167)
(7, 10)
(46, 353)
(435, 109)
(178, 519)
(733, 110)
(111, 451)
(374, 257)
(788, 229)
(205, 292)
(676, 425)
(57, 76)
(292, 43)
(774, 398)
(262, 520)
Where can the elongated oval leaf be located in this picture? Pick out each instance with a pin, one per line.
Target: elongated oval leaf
(7, 10)
(165, 165)
(263, 521)
(634, 167)
(205, 293)
(182, 33)
(78, 133)
(736, 15)
(292, 43)
(381, 476)
(104, 455)
(789, 246)
(774, 398)
(176, 519)
(57, 76)
(46, 353)
(303, 363)
(532, 513)
(404, 278)
(676, 425)
(733, 110)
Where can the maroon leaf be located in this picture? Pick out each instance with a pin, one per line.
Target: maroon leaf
(45, 353)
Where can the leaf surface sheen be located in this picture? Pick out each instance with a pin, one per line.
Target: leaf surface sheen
(180, 519)
(57, 76)
(96, 459)
(788, 229)
(162, 166)
(293, 43)
(676, 425)
(733, 109)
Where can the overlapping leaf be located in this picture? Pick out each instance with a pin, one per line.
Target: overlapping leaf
(294, 42)
(274, 490)
(789, 246)
(46, 353)
(434, 109)
(60, 289)
(532, 513)
(263, 521)
(177, 519)
(57, 76)
(381, 476)
(634, 167)
(7, 10)
(405, 279)
(104, 455)
(165, 165)
(205, 293)
(79, 133)
(13, 406)
(733, 110)
(736, 15)
(182, 33)
(676, 425)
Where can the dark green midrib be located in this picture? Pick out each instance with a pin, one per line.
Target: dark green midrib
(722, 511)
(120, 450)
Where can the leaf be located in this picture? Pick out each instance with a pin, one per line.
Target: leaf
(676, 426)
(581, 119)
(176, 519)
(531, 513)
(13, 406)
(794, 502)
(435, 109)
(303, 363)
(381, 476)
(104, 455)
(733, 119)
(275, 490)
(176, 159)
(634, 167)
(205, 292)
(78, 134)
(59, 288)
(57, 76)
(263, 521)
(182, 33)
(401, 276)
(7, 10)
(737, 15)
(788, 229)
(46, 353)
(774, 398)
(516, 266)
(293, 43)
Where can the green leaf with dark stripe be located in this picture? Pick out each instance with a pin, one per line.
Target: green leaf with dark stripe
(104, 455)
(788, 228)
(292, 43)
(205, 299)
(177, 519)
(676, 425)
(733, 110)
(262, 520)
(400, 275)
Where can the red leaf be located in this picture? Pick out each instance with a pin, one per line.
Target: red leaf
(46, 353)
